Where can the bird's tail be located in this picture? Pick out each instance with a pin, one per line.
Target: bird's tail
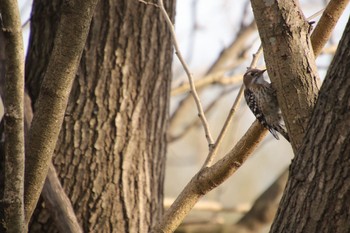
(282, 131)
(274, 133)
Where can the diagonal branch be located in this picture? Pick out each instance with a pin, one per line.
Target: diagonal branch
(210, 177)
(216, 78)
(229, 55)
(57, 201)
(59, 205)
(229, 118)
(51, 104)
(195, 189)
(327, 22)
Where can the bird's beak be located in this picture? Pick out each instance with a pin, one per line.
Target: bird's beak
(262, 71)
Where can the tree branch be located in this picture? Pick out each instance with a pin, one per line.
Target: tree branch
(210, 177)
(228, 55)
(51, 104)
(188, 197)
(229, 118)
(317, 193)
(254, 216)
(59, 204)
(201, 114)
(14, 126)
(284, 33)
(326, 24)
(56, 200)
(217, 78)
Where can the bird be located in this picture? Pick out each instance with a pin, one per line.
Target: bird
(262, 100)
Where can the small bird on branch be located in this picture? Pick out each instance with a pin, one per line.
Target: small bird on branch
(262, 101)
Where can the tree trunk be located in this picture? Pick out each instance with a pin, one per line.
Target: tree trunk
(290, 62)
(317, 196)
(110, 155)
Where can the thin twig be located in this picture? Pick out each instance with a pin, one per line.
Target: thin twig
(229, 118)
(212, 78)
(216, 78)
(26, 23)
(256, 57)
(195, 122)
(193, 31)
(201, 114)
(227, 60)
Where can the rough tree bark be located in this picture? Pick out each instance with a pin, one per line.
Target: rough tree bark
(111, 151)
(290, 62)
(317, 196)
(319, 38)
(12, 201)
(48, 14)
(53, 97)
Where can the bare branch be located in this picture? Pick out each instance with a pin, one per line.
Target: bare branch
(210, 177)
(194, 123)
(253, 218)
(229, 118)
(14, 126)
(216, 78)
(201, 114)
(330, 49)
(230, 55)
(51, 104)
(59, 205)
(325, 26)
(213, 206)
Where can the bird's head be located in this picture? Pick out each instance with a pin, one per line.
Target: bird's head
(252, 76)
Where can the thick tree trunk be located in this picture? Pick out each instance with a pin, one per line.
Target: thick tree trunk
(290, 62)
(317, 196)
(111, 151)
